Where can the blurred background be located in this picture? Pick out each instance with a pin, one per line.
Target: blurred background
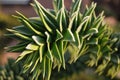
(8, 8)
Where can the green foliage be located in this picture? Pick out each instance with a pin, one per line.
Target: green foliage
(117, 44)
(12, 71)
(83, 76)
(45, 40)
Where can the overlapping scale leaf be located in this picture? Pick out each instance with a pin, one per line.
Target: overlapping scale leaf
(45, 39)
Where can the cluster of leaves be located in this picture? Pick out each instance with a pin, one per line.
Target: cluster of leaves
(45, 40)
(117, 43)
(12, 71)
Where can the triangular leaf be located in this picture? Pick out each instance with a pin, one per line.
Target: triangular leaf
(68, 36)
(23, 30)
(55, 52)
(59, 35)
(76, 6)
(32, 46)
(49, 52)
(23, 54)
(39, 40)
(48, 40)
